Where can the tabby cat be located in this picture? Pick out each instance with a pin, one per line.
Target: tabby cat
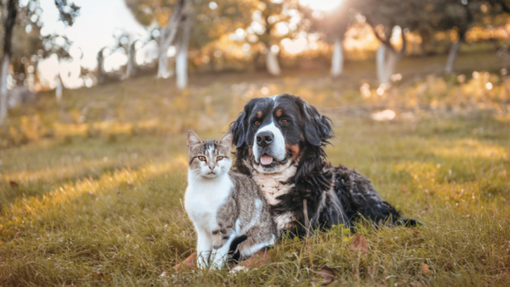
(223, 205)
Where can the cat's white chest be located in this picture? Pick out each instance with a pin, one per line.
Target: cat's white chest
(203, 200)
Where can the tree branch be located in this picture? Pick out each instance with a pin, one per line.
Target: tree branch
(385, 41)
(168, 34)
(505, 7)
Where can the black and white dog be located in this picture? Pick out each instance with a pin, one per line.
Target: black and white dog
(280, 142)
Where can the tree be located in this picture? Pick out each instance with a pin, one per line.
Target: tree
(332, 26)
(9, 21)
(101, 74)
(387, 17)
(271, 14)
(168, 35)
(181, 64)
(500, 6)
(126, 44)
(157, 12)
(217, 21)
(25, 50)
(198, 25)
(458, 16)
(132, 67)
(68, 11)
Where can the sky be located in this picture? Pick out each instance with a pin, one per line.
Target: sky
(94, 29)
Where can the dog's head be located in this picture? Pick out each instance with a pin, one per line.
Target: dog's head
(274, 131)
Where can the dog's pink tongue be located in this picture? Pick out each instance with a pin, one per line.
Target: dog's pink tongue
(266, 159)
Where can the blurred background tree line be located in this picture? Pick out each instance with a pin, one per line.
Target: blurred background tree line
(203, 36)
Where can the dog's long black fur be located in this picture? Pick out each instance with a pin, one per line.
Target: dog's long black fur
(352, 197)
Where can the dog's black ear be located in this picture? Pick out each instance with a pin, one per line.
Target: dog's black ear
(317, 128)
(239, 127)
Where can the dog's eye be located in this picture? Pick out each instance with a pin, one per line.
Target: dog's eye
(284, 122)
(220, 158)
(201, 158)
(257, 123)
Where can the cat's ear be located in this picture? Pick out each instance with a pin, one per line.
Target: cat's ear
(193, 139)
(226, 139)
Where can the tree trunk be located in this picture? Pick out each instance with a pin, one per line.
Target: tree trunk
(181, 64)
(337, 61)
(390, 65)
(131, 65)
(167, 37)
(4, 70)
(387, 57)
(101, 75)
(386, 61)
(182, 56)
(12, 11)
(452, 55)
(59, 89)
(379, 62)
(272, 65)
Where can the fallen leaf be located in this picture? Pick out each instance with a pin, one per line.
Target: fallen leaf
(448, 266)
(98, 273)
(13, 184)
(425, 210)
(328, 274)
(425, 269)
(359, 243)
(18, 234)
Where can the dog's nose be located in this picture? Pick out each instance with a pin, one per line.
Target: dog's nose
(265, 138)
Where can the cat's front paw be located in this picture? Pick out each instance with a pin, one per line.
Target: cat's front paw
(202, 263)
(217, 264)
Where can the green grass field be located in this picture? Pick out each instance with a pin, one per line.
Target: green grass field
(91, 189)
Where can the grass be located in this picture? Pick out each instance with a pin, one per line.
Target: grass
(98, 200)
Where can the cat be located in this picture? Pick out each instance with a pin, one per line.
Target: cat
(223, 205)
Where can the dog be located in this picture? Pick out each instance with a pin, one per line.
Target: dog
(280, 143)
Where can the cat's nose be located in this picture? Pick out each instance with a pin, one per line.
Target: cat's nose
(211, 167)
(265, 138)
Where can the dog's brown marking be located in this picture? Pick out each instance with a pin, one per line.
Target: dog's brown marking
(294, 149)
(259, 114)
(279, 113)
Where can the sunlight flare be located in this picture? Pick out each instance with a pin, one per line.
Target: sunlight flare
(322, 5)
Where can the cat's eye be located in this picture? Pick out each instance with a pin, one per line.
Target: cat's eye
(201, 158)
(284, 122)
(220, 157)
(257, 123)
